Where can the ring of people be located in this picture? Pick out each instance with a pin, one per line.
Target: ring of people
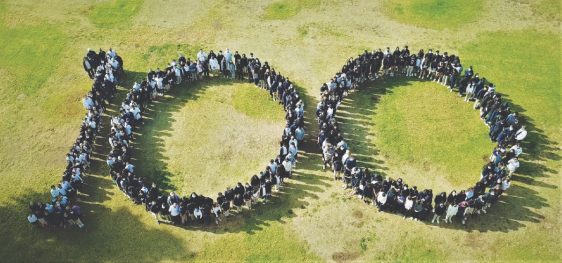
(106, 69)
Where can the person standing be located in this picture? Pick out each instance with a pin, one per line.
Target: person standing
(438, 212)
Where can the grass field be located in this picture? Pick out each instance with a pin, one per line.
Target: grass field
(224, 123)
(514, 43)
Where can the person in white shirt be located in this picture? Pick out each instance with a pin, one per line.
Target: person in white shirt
(112, 53)
(69, 159)
(345, 156)
(61, 190)
(329, 112)
(517, 149)
(130, 167)
(114, 63)
(228, 56)
(109, 76)
(288, 164)
(199, 69)
(451, 211)
(201, 55)
(341, 144)
(232, 69)
(83, 159)
(521, 134)
(77, 171)
(92, 124)
(32, 218)
(197, 213)
(175, 213)
(136, 112)
(299, 110)
(299, 134)
(506, 183)
(177, 72)
(54, 193)
(88, 102)
(136, 86)
(128, 129)
(469, 91)
(408, 205)
(293, 150)
(381, 200)
(214, 64)
(512, 165)
(77, 178)
(216, 210)
(327, 153)
(273, 166)
(111, 161)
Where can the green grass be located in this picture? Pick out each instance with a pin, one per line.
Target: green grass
(535, 84)
(316, 30)
(437, 14)
(423, 125)
(42, 82)
(284, 9)
(199, 140)
(257, 104)
(550, 9)
(161, 55)
(114, 13)
(29, 55)
(250, 248)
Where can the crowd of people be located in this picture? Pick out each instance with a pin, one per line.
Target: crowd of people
(388, 194)
(196, 208)
(62, 210)
(395, 195)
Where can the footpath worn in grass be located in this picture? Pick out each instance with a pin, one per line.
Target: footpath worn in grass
(516, 44)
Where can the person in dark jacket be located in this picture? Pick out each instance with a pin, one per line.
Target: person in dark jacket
(438, 212)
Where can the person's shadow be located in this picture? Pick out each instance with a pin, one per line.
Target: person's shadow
(152, 164)
(516, 206)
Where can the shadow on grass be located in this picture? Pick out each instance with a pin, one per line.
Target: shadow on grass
(152, 164)
(514, 208)
(109, 235)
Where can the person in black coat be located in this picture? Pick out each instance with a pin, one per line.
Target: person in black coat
(441, 198)
(438, 212)
(238, 201)
(451, 197)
